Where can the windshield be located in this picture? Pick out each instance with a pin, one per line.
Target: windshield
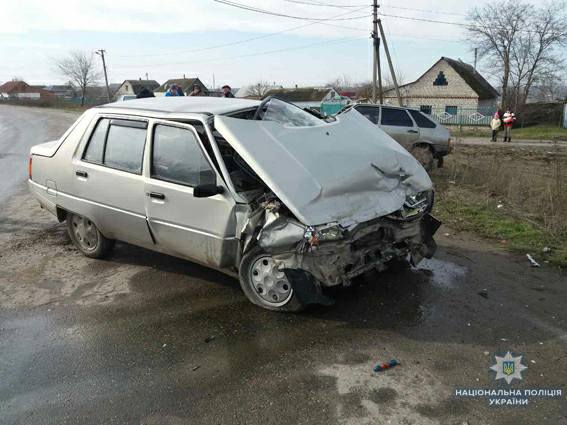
(287, 114)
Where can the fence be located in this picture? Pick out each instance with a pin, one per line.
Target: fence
(462, 116)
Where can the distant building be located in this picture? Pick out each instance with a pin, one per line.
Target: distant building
(64, 91)
(134, 87)
(22, 90)
(251, 91)
(448, 87)
(186, 85)
(305, 97)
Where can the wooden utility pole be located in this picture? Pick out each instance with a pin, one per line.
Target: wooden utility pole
(392, 72)
(101, 54)
(475, 57)
(376, 70)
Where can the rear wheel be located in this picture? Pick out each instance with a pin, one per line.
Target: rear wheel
(424, 155)
(265, 285)
(87, 238)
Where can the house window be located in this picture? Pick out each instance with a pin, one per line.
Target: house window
(451, 110)
(426, 109)
(440, 80)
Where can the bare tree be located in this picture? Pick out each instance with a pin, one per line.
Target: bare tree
(494, 32)
(341, 83)
(260, 89)
(517, 39)
(534, 58)
(79, 67)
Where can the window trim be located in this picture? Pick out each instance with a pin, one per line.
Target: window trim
(378, 112)
(119, 121)
(424, 116)
(413, 124)
(182, 126)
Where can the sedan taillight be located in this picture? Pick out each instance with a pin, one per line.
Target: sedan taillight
(30, 168)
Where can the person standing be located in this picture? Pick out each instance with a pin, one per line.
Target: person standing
(495, 124)
(227, 91)
(509, 118)
(196, 90)
(172, 90)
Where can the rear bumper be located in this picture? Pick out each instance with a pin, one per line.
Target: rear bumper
(47, 198)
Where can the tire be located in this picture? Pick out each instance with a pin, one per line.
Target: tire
(269, 283)
(424, 155)
(87, 238)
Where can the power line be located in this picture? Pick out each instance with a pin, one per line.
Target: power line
(334, 41)
(435, 12)
(246, 40)
(339, 6)
(283, 15)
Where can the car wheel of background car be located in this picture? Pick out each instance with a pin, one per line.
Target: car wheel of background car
(265, 285)
(87, 237)
(424, 155)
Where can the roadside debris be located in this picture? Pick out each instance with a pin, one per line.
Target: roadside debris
(210, 338)
(483, 293)
(546, 249)
(533, 263)
(380, 367)
(196, 367)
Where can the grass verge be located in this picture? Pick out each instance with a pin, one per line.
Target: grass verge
(538, 132)
(464, 209)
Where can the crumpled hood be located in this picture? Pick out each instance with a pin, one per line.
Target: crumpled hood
(348, 171)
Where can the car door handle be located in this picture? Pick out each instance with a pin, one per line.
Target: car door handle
(413, 131)
(83, 174)
(156, 195)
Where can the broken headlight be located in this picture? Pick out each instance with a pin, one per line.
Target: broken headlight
(327, 232)
(415, 206)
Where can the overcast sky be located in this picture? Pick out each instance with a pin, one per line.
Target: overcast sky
(169, 38)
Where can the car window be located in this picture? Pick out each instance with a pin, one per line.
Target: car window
(397, 117)
(421, 120)
(125, 147)
(95, 148)
(370, 112)
(177, 157)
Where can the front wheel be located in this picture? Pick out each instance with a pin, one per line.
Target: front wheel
(424, 155)
(265, 285)
(87, 238)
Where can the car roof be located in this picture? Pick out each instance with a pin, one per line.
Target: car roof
(189, 104)
(376, 105)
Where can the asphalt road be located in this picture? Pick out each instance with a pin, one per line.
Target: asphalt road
(20, 129)
(143, 338)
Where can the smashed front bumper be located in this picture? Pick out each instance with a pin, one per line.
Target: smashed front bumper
(367, 247)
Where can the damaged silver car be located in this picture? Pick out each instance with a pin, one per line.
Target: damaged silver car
(267, 192)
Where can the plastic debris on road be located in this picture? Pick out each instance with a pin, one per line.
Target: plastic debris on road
(380, 367)
(533, 262)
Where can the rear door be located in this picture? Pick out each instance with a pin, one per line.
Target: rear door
(108, 185)
(200, 229)
(399, 125)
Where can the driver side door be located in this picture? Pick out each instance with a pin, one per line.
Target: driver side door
(199, 229)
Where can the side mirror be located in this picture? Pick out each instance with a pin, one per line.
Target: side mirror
(207, 190)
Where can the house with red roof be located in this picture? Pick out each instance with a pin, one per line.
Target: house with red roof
(22, 90)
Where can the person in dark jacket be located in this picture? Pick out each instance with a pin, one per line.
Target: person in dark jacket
(145, 92)
(180, 91)
(196, 90)
(227, 91)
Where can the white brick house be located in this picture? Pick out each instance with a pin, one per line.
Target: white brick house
(449, 86)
